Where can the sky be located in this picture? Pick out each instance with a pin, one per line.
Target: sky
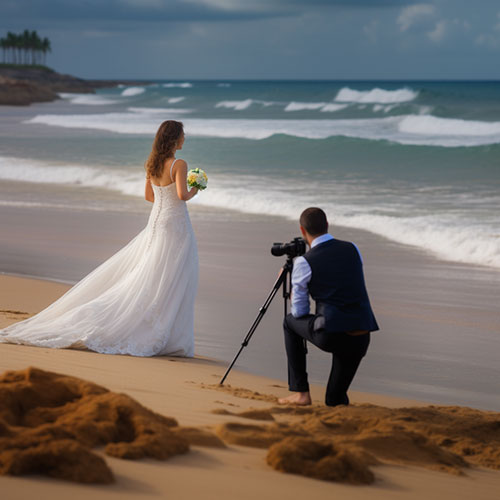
(265, 39)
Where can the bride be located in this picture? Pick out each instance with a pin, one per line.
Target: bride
(141, 300)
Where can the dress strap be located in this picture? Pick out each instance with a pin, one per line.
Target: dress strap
(171, 167)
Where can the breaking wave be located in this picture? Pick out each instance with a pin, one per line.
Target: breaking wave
(405, 129)
(131, 91)
(376, 95)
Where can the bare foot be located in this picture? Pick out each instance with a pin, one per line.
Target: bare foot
(297, 398)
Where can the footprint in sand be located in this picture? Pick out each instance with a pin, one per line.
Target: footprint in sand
(17, 315)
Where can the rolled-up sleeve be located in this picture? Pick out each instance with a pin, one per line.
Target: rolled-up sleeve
(301, 275)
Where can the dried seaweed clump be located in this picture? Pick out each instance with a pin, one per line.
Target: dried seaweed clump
(311, 458)
(49, 422)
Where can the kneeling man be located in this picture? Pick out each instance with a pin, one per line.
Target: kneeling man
(332, 273)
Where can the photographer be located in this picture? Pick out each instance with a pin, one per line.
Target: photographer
(332, 273)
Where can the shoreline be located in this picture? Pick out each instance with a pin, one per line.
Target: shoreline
(22, 85)
(28, 295)
(439, 320)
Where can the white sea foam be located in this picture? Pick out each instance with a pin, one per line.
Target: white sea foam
(48, 204)
(405, 129)
(153, 111)
(384, 107)
(28, 170)
(425, 125)
(223, 85)
(86, 99)
(376, 95)
(244, 104)
(175, 100)
(331, 107)
(301, 106)
(425, 110)
(185, 85)
(131, 91)
(446, 236)
(450, 235)
(237, 105)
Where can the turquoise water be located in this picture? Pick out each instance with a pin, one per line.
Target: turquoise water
(415, 162)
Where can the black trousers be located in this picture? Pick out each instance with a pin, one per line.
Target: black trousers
(347, 352)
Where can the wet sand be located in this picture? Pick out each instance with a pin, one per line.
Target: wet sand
(440, 321)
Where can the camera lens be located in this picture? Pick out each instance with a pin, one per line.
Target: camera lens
(296, 247)
(278, 249)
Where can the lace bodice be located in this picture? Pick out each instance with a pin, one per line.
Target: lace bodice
(166, 197)
(166, 202)
(168, 211)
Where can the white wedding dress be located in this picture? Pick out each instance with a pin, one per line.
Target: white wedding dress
(139, 302)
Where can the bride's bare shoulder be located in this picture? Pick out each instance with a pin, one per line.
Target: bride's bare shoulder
(179, 165)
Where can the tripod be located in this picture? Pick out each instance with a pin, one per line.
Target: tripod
(284, 278)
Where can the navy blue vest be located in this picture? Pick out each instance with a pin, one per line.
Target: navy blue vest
(338, 287)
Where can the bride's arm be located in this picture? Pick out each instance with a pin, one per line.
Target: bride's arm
(180, 177)
(149, 194)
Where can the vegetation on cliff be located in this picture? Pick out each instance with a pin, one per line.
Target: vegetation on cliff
(25, 48)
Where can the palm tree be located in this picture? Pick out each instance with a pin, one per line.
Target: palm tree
(25, 48)
(46, 47)
(25, 45)
(11, 43)
(3, 44)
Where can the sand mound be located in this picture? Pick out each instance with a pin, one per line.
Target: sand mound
(255, 436)
(199, 437)
(49, 418)
(312, 458)
(441, 438)
(411, 448)
(61, 458)
(447, 439)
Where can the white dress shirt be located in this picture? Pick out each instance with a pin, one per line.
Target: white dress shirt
(301, 276)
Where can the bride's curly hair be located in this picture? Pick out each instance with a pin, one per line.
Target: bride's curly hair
(164, 144)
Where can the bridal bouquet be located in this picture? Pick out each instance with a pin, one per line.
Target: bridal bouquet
(197, 178)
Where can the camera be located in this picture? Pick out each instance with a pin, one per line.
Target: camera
(293, 249)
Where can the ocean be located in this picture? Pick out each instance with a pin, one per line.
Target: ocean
(415, 162)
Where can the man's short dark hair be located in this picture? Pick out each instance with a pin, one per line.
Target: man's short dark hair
(313, 220)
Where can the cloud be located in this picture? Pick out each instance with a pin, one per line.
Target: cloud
(139, 11)
(238, 4)
(439, 31)
(445, 28)
(491, 39)
(171, 10)
(414, 14)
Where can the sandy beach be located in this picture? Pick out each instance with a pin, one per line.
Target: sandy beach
(236, 271)
(185, 389)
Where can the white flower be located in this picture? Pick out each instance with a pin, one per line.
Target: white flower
(197, 178)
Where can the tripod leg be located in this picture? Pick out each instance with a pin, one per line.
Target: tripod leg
(281, 279)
